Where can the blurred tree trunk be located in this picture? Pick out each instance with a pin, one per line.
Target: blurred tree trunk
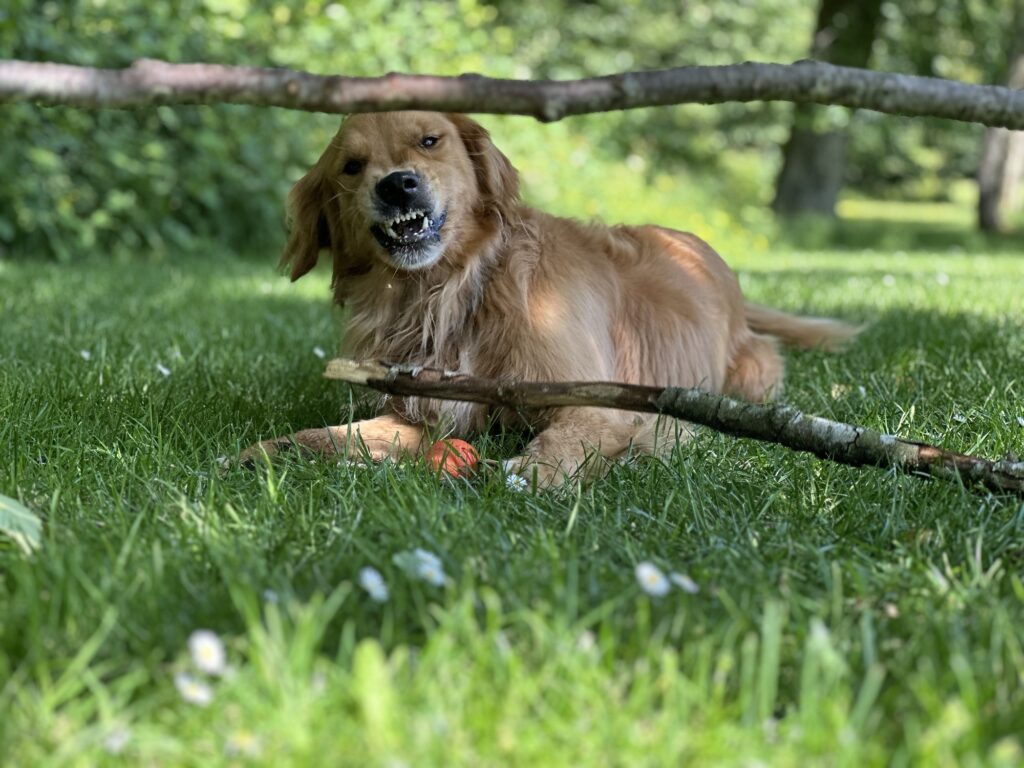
(814, 157)
(1001, 170)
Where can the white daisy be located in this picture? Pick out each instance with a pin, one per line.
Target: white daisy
(319, 352)
(429, 568)
(116, 740)
(586, 642)
(371, 580)
(515, 482)
(424, 556)
(651, 579)
(163, 369)
(318, 683)
(207, 652)
(684, 582)
(245, 743)
(193, 690)
(432, 574)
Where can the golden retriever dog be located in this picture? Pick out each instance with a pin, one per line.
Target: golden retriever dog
(442, 265)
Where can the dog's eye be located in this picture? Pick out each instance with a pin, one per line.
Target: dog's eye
(352, 167)
(429, 141)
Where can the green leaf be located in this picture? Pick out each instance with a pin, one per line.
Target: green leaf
(20, 523)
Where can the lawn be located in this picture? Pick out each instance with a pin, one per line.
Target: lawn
(844, 616)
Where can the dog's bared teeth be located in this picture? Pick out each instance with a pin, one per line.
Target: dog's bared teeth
(388, 226)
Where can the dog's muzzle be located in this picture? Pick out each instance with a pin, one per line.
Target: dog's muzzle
(408, 227)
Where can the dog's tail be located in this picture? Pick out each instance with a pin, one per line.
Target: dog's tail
(803, 332)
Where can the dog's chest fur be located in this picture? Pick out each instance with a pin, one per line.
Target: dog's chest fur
(410, 319)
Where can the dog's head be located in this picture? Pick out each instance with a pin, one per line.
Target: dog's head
(403, 189)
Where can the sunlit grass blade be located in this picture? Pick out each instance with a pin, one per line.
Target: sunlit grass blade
(20, 524)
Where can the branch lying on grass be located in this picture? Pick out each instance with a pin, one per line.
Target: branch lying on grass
(149, 81)
(782, 424)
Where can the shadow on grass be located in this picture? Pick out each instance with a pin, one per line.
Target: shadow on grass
(248, 352)
(880, 234)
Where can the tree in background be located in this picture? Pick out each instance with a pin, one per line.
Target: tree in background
(1001, 169)
(814, 157)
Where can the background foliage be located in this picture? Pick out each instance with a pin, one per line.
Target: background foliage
(165, 179)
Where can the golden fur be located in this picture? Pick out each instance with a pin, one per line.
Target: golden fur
(513, 293)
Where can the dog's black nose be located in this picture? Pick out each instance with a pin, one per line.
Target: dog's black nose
(398, 188)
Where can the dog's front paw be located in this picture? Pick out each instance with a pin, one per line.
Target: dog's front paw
(538, 471)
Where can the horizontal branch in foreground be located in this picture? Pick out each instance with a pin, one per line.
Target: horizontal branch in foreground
(773, 423)
(148, 81)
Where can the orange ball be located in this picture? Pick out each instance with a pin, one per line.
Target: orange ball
(453, 456)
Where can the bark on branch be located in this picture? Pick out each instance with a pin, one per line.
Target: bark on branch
(148, 82)
(773, 423)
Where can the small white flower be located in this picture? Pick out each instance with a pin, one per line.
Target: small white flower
(319, 352)
(432, 574)
(163, 369)
(243, 743)
(318, 683)
(207, 652)
(193, 690)
(684, 582)
(423, 556)
(959, 418)
(116, 740)
(863, 392)
(651, 579)
(586, 642)
(86, 354)
(429, 568)
(371, 580)
(516, 482)
(421, 564)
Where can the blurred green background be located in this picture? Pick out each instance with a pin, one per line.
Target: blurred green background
(162, 180)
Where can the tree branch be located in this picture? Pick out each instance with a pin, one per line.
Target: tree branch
(772, 423)
(148, 82)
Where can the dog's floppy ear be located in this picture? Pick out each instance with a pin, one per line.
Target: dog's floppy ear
(495, 176)
(311, 231)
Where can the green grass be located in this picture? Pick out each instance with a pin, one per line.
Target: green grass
(845, 616)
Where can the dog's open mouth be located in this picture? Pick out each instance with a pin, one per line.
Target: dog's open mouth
(408, 233)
